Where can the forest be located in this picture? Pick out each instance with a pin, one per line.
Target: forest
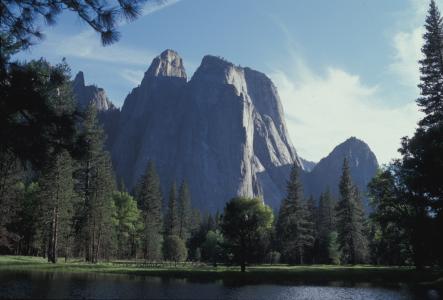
(60, 198)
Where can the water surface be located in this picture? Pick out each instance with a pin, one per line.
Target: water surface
(106, 286)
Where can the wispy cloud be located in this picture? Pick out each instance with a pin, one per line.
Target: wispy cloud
(133, 76)
(407, 42)
(324, 110)
(156, 5)
(86, 45)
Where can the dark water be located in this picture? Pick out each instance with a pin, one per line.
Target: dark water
(97, 286)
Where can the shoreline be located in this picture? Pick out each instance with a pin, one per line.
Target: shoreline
(258, 274)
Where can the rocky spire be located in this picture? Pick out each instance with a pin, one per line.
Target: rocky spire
(167, 64)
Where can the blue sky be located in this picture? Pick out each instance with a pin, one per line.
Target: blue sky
(342, 68)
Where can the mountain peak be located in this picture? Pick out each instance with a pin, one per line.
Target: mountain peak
(167, 64)
(79, 79)
(86, 94)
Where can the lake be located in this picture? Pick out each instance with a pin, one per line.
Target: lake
(105, 286)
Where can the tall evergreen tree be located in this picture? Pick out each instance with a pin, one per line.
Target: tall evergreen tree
(95, 185)
(350, 223)
(150, 202)
(391, 230)
(171, 218)
(326, 225)
(184, 212)
(57, 193)
(431, 69)
(293, 228)
(421, 162)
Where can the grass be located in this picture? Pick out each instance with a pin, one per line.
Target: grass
(280, 274)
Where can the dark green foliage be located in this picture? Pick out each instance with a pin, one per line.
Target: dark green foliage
(20, 19)
(326, 226)
(95, 185)
(350, 221)
(10, 183)
(392, 220)
(174, 249)
(184, 212)
(212, 247)
(172, 224)
(431, 69)
(149, 198)
(37, 112)
(128, 224)
(420, 168)
(294, 228)
(56, 194)
(28, 221)
(245, 222)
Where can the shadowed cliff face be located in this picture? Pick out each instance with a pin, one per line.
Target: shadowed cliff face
(223, 132)
(363, 166)
(220, 131)
(86, 94)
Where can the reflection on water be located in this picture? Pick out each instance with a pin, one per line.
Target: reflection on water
(104, 286)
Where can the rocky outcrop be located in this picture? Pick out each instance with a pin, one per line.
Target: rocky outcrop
(86, 94)
(326, 174)
(307, 164)
(223, 131)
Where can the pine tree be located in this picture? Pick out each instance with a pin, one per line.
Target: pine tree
(95, 185)
(326, 225)
(349, 220)
(149, 198)
(171, 218)
(57, 192)
(184, 212)
(293, 228)
(311, 217)
(421, 164)
(431, 69)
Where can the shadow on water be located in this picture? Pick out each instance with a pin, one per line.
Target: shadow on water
(58, 285)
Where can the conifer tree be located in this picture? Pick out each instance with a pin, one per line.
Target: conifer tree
(350, 220)
(57, 192)
(95, 185)
(421, 164)
(326, 225)
(150, 202)
(431, 69)
(293, 228)
(171, 218)
(184, 212)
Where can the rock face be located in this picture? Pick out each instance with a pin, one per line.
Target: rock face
(308, 165)
(86, 94)
(223, 132)
(362, 162)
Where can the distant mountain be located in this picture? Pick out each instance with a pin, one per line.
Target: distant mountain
(107, 112)
(223, 132)
(85, 94)
(362, 162)
(307, 165)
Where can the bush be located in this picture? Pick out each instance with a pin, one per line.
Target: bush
(174, 249)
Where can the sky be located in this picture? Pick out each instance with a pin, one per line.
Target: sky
(342, 68)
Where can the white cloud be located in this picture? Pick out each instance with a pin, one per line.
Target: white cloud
(153, 6)
(407, 46)
(86, 45)
(133, 76)
(407, 42)
(324, 110)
